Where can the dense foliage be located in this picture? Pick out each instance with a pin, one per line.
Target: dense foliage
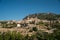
(38, 36)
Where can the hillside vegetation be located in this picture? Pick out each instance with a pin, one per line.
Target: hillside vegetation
(44, 16)
(38, 26)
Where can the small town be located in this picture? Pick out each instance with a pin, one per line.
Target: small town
(29, 19)
(29, 26)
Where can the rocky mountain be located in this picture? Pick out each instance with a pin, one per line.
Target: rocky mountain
(44, 16)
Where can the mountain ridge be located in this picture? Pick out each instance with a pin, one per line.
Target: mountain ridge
(42, 15)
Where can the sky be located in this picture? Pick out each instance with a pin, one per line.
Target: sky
(18, 9)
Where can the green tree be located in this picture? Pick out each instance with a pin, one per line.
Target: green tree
(34, 29)
(51, 18)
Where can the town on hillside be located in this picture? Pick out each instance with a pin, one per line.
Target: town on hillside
(31, 24)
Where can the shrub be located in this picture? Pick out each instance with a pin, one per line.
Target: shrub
(34, 29)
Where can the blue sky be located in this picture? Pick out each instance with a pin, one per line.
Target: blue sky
(18, 9)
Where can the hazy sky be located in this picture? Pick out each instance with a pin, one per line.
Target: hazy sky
(18, 9)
